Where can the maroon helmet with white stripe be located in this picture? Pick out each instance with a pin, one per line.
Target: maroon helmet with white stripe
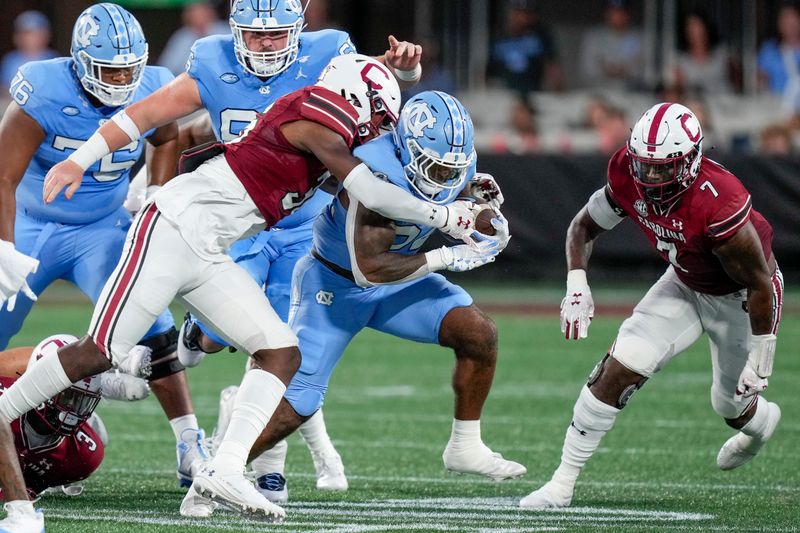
(67, 410)
(665, 150)
(370, 87)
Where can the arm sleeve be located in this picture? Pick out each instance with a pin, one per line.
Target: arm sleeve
(603, 210)
(391, 201)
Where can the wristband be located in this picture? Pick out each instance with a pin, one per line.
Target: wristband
(151, 190)
(435, 260)
(576, 277)
(409, 75)
(90, 152)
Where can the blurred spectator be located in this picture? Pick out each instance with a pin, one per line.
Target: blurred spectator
(522, 137)
(434, 76)
(318, 16)
(31, 40)
(611, 55)
(776, 140)
(609, 124)
(199, 20)
(779, 59)
(526, 58)
(702, 64)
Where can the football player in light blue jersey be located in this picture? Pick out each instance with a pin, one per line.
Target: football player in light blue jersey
(234, 77)
(365, 271)
(57, 105)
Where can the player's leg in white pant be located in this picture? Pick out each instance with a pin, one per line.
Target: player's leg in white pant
(743, 446)
(327, 461)
(22, 518)
(232, 303)
(664, 323)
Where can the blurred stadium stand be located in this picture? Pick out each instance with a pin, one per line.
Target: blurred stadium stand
(574, 126)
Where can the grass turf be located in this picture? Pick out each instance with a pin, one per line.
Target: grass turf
(389, 411)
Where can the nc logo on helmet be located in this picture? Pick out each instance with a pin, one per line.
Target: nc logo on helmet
(87, 28)
(419, 118)
(295, 6)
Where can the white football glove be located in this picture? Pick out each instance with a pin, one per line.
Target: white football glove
(14, 269)
(577, 307)
(462, 257)
(501, 236)
(460, 221)
(758, 368)
(484, 187)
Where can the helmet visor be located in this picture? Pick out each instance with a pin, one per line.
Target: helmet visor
(71, 408)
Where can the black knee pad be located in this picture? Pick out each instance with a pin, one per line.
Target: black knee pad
(164, 359)
(597, 371)
(626, 394)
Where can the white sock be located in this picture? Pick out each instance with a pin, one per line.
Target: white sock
(758, 424)
(43, 381)
(591, 420)
(20, 507)
(465, 434)
(258, 397)
(271, 461)
(315, 435)
(181, 423)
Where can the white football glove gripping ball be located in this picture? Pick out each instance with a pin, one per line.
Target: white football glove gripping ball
(14, 269)
(484, 187)
(463, 257)
(758, 367)
(577, 307)
(501, 236)
(460, 221)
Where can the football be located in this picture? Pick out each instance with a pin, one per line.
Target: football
(483, 221)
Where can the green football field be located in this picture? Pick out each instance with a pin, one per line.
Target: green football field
(389, 411)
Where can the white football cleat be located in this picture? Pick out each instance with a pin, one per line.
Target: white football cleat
(196, 506)
(20, 519)
(116, 385)
(189, 352)
(482, 461)
(330, 471)
(136, 362)
(550, 496)
(740, 448)
(192, 455)
(237, 493)
(273, 487)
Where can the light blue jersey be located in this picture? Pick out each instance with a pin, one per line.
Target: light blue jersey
(49, 92)
(78, 240)
(233, 98)
(328, 309)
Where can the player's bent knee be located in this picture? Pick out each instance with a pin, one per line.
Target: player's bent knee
(164, 359)
(614, 384)
(470, 332)
(725, 405)
(305, 402)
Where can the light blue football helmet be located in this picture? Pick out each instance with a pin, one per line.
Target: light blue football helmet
(108, 36)
(435, 137)
(273, 16)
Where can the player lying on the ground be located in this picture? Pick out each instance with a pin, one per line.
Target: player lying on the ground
(239, 188)
(57, 105)
(364, 271)
(234, 77)
(61, 441)
(722, 280)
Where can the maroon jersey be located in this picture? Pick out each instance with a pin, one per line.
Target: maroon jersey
(67, 460)
(714, 207)
(277, 176)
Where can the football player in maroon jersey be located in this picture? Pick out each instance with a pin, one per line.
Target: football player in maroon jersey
(238, 188)
(722, 280)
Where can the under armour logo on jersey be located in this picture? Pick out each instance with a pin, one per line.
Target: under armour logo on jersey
(677, 224)
(85, 30)
(325, 298)
(577, 300)
(419, 118)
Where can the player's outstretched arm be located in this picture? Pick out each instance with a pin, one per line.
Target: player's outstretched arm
(163, 160)
(362, 185)
(742, 257)
(177, 99)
